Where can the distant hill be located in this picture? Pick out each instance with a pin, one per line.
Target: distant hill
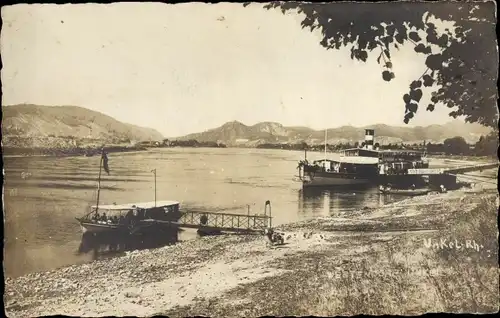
(50, 126)
(237, 134)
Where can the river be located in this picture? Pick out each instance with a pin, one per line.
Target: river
(43, 195)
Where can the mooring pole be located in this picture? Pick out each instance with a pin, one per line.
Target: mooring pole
(265, 212)
(270, 216)
(99, 181)
(154, 172)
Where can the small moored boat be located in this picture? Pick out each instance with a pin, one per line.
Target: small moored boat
(408, 192)
(128, 217)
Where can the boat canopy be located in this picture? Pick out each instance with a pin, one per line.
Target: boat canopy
(402, 154)
(359, 152)
(360, 160)
(353, 160)
(140, 205)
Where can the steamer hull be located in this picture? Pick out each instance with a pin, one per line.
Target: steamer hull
(329, 179)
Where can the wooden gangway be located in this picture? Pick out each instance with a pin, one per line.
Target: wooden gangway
(465, 169)
(456, 170)
(219, 222)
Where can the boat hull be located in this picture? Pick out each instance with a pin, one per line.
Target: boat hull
(144, 225)
(327, 181)
(405, 192)
(100, 228)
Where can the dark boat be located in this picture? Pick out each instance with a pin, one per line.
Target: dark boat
(128, 218)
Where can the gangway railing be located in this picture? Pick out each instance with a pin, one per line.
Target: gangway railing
(465, 169)
(225, 222)
(454, 170)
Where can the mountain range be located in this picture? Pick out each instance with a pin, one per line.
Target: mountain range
(48, 126)
(69, 126)
(238, 134)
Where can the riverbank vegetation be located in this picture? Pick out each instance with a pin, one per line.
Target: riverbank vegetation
(448, 279)
(486, 146)
(192, 143)
(69, 146)
(66, 152)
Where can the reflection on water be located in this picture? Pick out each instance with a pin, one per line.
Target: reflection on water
(329, 202)
(43, 195)
(113, 244)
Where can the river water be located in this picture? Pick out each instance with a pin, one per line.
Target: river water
(43, 195)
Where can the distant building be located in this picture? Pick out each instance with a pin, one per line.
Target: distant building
(149, 143)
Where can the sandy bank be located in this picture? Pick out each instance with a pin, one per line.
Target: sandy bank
(379, 261)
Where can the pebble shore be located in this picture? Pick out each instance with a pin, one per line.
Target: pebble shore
(216, 275)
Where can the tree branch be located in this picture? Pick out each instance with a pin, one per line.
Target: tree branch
(414, 43)
(383, 54)
(423, 74)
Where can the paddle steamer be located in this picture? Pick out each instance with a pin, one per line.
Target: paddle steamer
(362, 166)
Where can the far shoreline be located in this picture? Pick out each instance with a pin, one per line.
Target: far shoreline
(81, 152)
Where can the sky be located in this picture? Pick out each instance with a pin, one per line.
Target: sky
(190, 67)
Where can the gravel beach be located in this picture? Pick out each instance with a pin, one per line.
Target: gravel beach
(380, 261)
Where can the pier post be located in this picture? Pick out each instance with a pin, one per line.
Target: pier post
(265, 211)
(154, 172)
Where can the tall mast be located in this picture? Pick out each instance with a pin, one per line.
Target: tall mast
(326, 131)
(154, 172)
(99, 183)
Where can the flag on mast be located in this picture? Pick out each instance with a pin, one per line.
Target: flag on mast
(105, 161)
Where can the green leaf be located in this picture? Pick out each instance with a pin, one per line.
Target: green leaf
(416, 94)
(415, 84)
(414, 36)
(387, 76)
(434, 61)
(363, 55)
(412, 107)
(419, 48)
(428, 80)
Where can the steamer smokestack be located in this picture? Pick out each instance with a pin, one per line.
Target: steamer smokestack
(369, 136)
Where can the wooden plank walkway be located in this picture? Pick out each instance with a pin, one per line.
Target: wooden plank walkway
(465, 169)
(458, 170)
(223, 222)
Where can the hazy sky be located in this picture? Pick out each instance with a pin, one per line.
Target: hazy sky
(189, 67)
